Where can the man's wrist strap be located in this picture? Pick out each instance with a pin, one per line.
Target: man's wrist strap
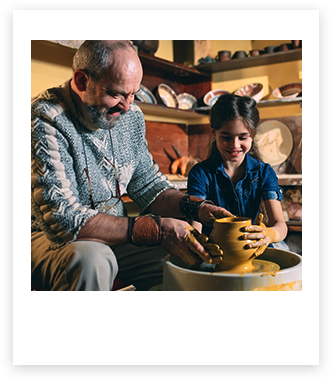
(144, 230)
(189, 206)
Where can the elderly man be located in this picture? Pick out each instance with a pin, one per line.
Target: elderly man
(89, 148)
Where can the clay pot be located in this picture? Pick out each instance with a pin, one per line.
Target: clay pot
(270, 49)
(285, 47)
(297, 44)
(226, 233)
(223, 55)
(256, 52)
(239, 54)
(147, 46)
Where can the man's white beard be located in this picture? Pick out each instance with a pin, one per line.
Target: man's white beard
(101, 119)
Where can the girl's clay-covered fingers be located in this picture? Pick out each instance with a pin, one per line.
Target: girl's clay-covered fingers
(259, 251)
(253, 236)
(258, 243)
(253, 228)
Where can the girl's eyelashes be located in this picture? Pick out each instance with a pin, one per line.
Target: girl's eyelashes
(226, 137)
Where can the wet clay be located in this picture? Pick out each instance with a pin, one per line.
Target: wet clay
(255, 266)
(227, 233)
(291, 286)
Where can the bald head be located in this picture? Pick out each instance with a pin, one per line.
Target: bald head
(107, 75)
(96, 57)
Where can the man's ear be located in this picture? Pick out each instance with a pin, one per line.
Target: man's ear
(80, 79)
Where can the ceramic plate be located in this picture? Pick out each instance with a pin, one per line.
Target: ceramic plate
(253, 90)
(291, 90)
(145, 95)
(167, 96)
(211, 97)
(275, 142)
(186, 101)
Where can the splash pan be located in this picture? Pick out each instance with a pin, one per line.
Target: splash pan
(179, 277)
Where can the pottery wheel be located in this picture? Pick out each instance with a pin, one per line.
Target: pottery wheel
(260, 266)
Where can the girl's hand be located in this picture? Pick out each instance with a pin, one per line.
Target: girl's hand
(263, 235)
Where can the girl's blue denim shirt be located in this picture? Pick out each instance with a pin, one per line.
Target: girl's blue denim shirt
(208, 180)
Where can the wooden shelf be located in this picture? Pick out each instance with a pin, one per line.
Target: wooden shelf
(289, 179)
(279, 102)
(294, 226)
(169, 112)
(241, 63)
(265, 103)
(171, 69)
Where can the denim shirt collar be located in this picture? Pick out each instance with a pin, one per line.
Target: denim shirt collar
(251, 164)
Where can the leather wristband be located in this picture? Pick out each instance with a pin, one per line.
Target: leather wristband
(189, 206)
(144, 230)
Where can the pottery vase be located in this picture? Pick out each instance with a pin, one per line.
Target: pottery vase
(147, 46)
(226, 233)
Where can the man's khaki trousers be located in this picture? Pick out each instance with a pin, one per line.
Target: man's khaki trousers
(93, 266)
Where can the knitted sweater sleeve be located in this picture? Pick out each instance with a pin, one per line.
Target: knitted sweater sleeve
(56, 205)
(147, 182)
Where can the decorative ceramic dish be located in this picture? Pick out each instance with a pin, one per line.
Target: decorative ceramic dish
(167, 96)
(253, 90)
(211, 97)
(274, 141)
(292, 90)
(145, 95)
(186, 101)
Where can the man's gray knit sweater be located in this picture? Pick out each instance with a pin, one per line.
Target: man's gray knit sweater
(67, 151)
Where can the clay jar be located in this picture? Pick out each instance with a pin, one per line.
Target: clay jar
(223, 55)
(226, 233)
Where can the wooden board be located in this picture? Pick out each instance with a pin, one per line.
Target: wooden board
(160, 137)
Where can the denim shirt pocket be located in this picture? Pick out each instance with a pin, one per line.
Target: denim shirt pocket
(254, 185)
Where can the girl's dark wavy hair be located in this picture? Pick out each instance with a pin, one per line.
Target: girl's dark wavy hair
(230, 107)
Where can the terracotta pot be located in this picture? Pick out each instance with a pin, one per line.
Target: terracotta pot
(256, 52)
(223, 55)
(147, 46)
(239, 54)
(226, 233)
(297, 44)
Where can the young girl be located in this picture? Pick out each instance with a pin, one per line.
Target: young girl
(233, 177)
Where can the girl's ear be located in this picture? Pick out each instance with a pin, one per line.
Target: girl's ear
(213, 133)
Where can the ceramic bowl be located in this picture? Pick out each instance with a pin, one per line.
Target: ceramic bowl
(275, 141)
(167, 96)
(271, 49)
(253, 90)
(211, 97)
(292, 90)
(256, 52)
(239, 54)
(145, 95)
(226, 233)
(223, 55)
(186, 101)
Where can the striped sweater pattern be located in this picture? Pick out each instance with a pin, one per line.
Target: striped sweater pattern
(67, 152)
